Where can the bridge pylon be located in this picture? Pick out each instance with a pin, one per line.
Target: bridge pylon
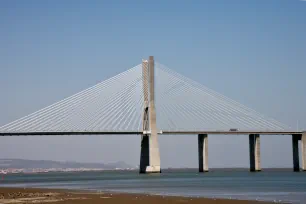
(149, 154)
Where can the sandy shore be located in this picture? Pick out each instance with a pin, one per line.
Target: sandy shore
(29, 195)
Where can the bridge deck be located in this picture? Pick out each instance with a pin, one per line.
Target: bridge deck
(232, 132)
(161, 132)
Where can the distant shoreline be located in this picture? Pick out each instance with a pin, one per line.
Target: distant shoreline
(168, 170)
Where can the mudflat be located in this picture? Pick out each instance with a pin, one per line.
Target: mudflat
(34, 195)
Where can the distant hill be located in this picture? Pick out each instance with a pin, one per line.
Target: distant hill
(47, 164)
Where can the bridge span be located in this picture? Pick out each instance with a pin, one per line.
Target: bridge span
(125, 105)
(254, 143)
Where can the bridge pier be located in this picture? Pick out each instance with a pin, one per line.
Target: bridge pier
(303, 139)
(203, 152)
(254, 144)
(295, 151)
(144, 154)
(149, 155)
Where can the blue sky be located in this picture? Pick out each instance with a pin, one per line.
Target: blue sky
(251, 51)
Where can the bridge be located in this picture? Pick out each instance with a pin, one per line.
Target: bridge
(127, 104)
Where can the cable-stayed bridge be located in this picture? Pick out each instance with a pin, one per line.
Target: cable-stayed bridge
(150, 99)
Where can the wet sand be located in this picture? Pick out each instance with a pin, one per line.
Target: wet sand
(31, 195)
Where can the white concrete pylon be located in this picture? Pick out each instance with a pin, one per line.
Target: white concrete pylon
(150, 157)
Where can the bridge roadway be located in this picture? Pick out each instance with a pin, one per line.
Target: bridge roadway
(254, 142)
(168, 132)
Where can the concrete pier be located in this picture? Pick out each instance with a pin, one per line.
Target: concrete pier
(303, 146)
(144, 154)
(295, 151)
(254, 143)
(150, 157)
(203, 152)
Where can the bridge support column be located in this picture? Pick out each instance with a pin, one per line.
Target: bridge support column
(144, 154)
(303, 151)
(149, 155)
(153, 157)
(203, 152)
(295, 151)
(254, 143)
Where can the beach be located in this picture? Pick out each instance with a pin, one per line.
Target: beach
(36, 195)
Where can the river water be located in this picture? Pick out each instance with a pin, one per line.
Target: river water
(277, 186)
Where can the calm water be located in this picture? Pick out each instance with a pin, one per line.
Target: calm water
(272, 186)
